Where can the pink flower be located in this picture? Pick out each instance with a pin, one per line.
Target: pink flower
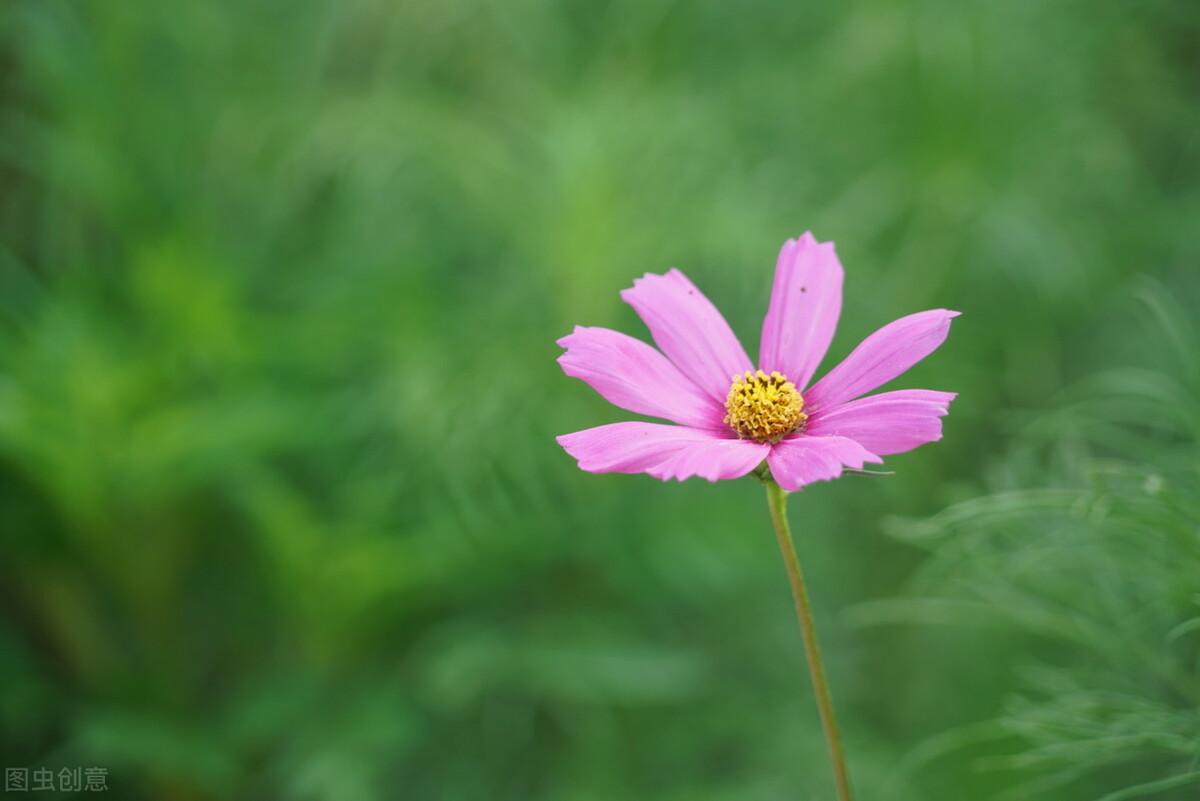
(730, 418)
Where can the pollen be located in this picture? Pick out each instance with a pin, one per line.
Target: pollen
(764, 408)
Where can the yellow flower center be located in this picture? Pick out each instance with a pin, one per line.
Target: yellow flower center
(764, 408)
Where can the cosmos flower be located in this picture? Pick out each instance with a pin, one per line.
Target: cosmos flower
(729, 416)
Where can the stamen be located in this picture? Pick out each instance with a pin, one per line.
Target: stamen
(764, 408)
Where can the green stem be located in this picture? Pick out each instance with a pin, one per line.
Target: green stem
(777, 503)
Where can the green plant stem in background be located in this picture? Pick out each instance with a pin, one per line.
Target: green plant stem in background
(777, 503)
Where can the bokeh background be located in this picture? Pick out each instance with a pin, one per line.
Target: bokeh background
(281, 510)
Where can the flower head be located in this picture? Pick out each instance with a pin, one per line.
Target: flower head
(764, 408)
(730, 416)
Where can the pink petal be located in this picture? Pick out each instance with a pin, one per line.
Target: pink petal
(806, 300)
(805, 459)
(629, 373)
(662, 451)
(887, 353)
(891, 422)
(689, 330)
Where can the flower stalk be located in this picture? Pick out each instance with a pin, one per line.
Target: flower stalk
(777, 504)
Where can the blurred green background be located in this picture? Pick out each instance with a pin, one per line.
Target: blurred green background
(281, 510)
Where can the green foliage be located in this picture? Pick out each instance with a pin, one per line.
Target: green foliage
(281, 511)
(1097, 577)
